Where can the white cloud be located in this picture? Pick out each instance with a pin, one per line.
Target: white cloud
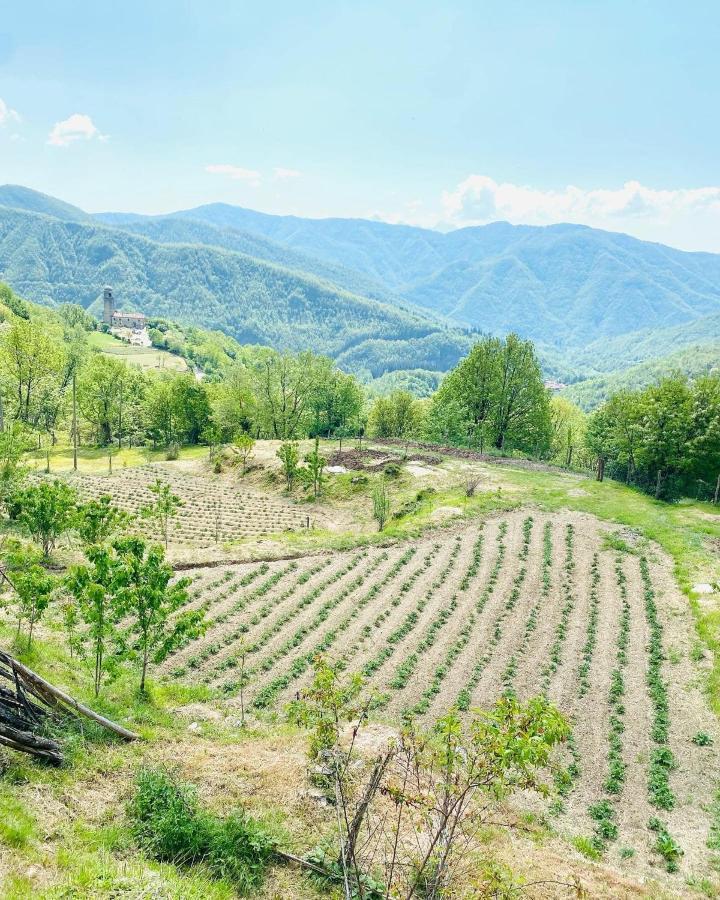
(7, 115)
(480, 199)
(237, 173)
(688, 218)
(281, 174)
(77, 127)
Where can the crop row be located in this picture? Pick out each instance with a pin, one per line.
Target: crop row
(268, 694)
(231, 661)
(465, 695)
(508, 676)
(565, 613)
(260, 591)
(662, 760)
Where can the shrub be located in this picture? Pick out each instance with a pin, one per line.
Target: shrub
(392, 470)
(173, 451)
(170, 825)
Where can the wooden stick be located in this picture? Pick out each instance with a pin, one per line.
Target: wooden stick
(290, 857)
(45, 688)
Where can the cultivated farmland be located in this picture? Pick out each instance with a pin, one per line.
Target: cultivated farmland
(212, 511)
(524, 604)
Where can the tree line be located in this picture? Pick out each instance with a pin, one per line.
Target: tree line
(664, 439)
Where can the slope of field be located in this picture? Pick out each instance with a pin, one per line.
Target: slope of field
(526, 604)
(145, 357)
(212, 512)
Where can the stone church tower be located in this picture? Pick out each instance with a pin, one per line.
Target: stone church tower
(108, 305)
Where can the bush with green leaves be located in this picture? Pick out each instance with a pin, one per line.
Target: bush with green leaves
(170, 825)
(46, 511)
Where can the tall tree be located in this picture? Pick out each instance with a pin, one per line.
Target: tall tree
(148, 600)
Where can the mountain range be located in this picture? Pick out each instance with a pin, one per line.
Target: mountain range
(379, 298)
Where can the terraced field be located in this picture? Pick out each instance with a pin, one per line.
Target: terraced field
(212, 512)
(524, 604)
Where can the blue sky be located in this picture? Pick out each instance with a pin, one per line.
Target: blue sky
(441, 114)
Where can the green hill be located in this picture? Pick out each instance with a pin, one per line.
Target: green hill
(51, 261)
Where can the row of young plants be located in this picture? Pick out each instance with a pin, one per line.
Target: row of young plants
(588, 649)
(409, 623)
(510, 671)
(603, 812)
(370, 628)
(268, 694)
(561, 629)
(662, 760)
(237, 634)
(232, 582)
(195, 661)
(406, 668)
(455, 649)
(463, 639)
(302, 631)
(465, 696)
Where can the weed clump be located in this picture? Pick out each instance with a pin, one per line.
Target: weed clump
(171, 826)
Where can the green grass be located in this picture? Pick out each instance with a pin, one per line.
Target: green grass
(94, 460)
(17, 825)
(145, 357)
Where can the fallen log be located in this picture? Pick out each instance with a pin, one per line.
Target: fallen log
(29, 702)
(53, 696)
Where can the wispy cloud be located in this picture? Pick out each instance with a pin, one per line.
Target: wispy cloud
(77, 127)
(236, 173)
(281, 174)
(480, 199)
(7, 114)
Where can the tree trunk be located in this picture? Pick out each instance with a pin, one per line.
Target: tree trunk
(600, 468)
(144, 669)
(658, 484)
(74, 422)
(717, 490)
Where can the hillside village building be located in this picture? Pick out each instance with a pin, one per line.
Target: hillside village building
(119, 318)
(130, 326)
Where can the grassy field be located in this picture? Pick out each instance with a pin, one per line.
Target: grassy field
(145, 357)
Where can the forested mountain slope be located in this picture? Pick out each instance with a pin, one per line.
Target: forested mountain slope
(18, 197)
(595, 302)
(565, 284)
(51, 261)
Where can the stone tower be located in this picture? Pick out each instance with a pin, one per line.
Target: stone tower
(108, 305)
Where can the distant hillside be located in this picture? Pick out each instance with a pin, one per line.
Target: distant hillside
(51, 261)
(380, 298)
(176, 230)
(691, 361)
(18, 197)
(562, 284)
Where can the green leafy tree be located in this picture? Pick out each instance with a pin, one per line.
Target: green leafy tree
(163, 509)
(32, 360)
(381, 504)
(568, 423)
(95, 589)
(499, 388)
(316, 463)
(97, 520)
(148, 600)
(289, 456)
(46, 511)
(34, 586)
(14, 442)
(245, 446)
(101, 394)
